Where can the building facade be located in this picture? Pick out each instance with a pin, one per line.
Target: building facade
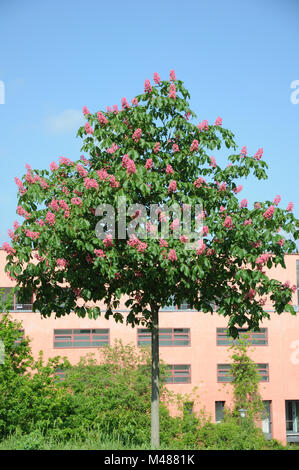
(195, 345)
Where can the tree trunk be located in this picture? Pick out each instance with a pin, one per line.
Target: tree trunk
(155, 420)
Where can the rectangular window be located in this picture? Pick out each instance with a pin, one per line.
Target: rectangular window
(219, 411)
(267, 419)
(6, 291)
(255, 338)
(167, 337)
(81, 338)
(224, 372)
(16, 302)
(292, 418)
(178, 374)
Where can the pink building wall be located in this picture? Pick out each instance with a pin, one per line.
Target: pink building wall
(203, 354)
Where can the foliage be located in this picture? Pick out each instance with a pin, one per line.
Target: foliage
(150, 153)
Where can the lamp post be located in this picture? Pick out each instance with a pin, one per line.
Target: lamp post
(242, 412)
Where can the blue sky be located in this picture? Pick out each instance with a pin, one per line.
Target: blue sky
(237, 58)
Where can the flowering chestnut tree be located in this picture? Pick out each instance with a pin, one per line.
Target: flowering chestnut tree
(149, 154)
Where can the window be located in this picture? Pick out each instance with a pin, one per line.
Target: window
(292, 420)
(182, 306)
(59, 374)
(219, 411)
(224, 372)
(267, 419)
(177, 374)
(84, 338)
(17, 303)
(256, 338)
(188, 408)
(167, 337)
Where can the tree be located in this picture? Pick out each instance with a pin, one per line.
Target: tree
(150, 155)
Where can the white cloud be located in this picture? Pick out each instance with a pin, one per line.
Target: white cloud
(67, 121)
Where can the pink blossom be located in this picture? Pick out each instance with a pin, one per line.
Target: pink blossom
(184, 239)
(32, 235)
(268, 214)
(130, 165)
(23, 212)
(205, 230)
(50, 218)
(65, 190)
(147, 86)
(194, 145)
(41, 222)
(222, 187)
(102, 174)
(61, 262)
(212, 162)
(163, 243)
(262, 259)
(8, 249)
(218, 121)
(247, 222)
(244, 203)
(141, 247)
(113, 183)
(172, 91)
(250, 294)
(82, 172)
(281, 242)
(238, 189)
(108, 241)
(222, 209)
(199, 182)
(85, 111)
(44, 184)
(203, 126)
(133, 241)
(228, 222)
(16, 225)
(134, 102)
(65, 161)
(99, 253)
(112, 149)
(243, 152)
(115, 109)
(88, 128)
(148, 164)
(258, 154)
(290, 207)
(172, 76)
(109, 110)
(136, 135)
(124, 103)
(90, 183)
(169, 169)
(77, 201)
(172, 186)
(156, 148)
(172, 256)
(175, 224)
(102, 119)
(19, 183)
(175, 148)
(201, 247)
(277, 200)
(157, 78)
(257, 205)
(54, 205)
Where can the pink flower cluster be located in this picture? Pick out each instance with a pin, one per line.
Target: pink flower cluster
(201, 247)
(32, 235)
(194, 146)
(243, 152)
(77, 201)
(175, 148)
(88, 128)
(268, 214)
(115, 109)
(199, 182)
(148, 164)
(108, 241)
(136, 135)
(205, 230)
(124, 103)
(262, 259)
(228, 223)
(258, 154)
(61, 262)
(112, 149)
(277, 200)
(147, 86)
(54, 205)
(290, 207)
(222, 187)
(172, 76)
(172, 186)
(157, 78)
(172, 256)
(90, 183)
(23, 212)
(169, 170)
(212, 162)
(243, 203)
(102, 174)
(172, 92)
(128, 164)
(85, 111)
(102, 119)
(163, 243)
(136, 243)
(281, 242)
(203, 126)
(175, 224)
(157, 147)
(134, 102)
(257, 205)
(82, 172)
(50, 218)
(8, 249)
(53, 166)
(99, 253)
(218, 121)
(238, 189)
(65, 161)
(247, 222)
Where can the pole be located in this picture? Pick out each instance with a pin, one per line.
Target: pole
(155, 422)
